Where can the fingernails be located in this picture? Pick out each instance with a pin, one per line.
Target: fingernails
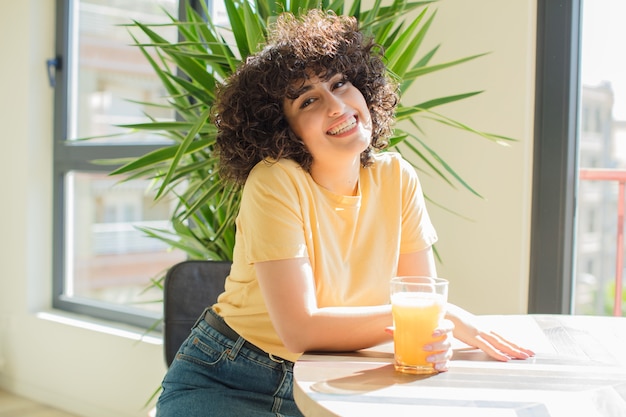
(441, 367)
(428, 348)
(522, 355)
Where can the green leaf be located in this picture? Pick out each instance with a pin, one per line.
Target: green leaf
(157, 156)
(500, 139)
(405, 112)
(255, 34)
(236, 20)
(420, 71)
(202, 120)
(435, 157)
(403, 50)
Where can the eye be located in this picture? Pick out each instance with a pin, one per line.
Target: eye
(307, 102)
(342, 82)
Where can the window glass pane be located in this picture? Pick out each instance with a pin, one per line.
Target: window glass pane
(111, 77)
(218, 13)
(109, 260)
(602, 145)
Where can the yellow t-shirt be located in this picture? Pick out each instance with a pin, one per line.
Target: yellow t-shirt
(352, 242)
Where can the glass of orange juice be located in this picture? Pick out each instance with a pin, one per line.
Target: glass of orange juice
(418, 305)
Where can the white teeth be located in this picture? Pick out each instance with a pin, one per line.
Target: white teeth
(345, 126)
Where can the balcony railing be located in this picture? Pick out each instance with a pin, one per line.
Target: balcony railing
(620, 177)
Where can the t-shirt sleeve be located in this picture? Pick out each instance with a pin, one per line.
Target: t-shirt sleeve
(418, 232)
(270, 219)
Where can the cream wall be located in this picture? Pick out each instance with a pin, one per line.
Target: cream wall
(486, 258)
(102, 370)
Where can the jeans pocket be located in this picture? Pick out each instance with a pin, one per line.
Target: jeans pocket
(202, 352)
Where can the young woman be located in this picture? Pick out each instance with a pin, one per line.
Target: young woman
(326, 220)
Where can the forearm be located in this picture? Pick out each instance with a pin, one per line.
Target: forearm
(339, 329)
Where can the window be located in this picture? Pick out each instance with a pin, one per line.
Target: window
(573, 252)
(103, 264)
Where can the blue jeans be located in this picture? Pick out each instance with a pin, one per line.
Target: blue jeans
(215, 376)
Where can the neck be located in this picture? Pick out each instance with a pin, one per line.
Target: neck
(338, 179)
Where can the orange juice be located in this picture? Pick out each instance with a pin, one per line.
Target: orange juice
(415, 315)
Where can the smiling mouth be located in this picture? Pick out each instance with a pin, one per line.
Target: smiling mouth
(349, 124)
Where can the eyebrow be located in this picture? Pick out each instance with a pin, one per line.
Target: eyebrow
(306, 86)
(295, 94)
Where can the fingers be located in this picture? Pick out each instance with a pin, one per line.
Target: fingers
(513, 346)
(439, 345)
(441, 362)
(441, 348)
(501, 349)
(445, 328)
(486, 346)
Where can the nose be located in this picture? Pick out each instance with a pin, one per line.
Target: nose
(334, 104)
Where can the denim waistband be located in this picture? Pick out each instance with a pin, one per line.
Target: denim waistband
(217, 322)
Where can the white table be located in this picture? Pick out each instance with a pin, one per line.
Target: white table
(579, 370)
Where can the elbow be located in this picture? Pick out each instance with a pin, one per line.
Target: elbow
(295, 346)
(299, 339)
(296, 342)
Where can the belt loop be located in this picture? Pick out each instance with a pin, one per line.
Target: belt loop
(204, 313)
(232, 354)
(275, 359)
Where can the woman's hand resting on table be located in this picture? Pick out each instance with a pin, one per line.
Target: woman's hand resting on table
(467, 331)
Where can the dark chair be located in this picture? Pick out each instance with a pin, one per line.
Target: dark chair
(189, 288)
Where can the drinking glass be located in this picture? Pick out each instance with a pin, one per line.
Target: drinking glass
(418, 306)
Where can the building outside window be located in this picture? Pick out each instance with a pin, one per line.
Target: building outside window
(602, 144)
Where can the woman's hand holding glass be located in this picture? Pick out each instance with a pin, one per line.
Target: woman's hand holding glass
(441, 347)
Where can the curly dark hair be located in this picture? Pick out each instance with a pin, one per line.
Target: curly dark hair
(249, 107)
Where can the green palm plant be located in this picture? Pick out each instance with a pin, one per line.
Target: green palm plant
(205, 54)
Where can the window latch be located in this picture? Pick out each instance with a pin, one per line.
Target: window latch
(52, 65)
